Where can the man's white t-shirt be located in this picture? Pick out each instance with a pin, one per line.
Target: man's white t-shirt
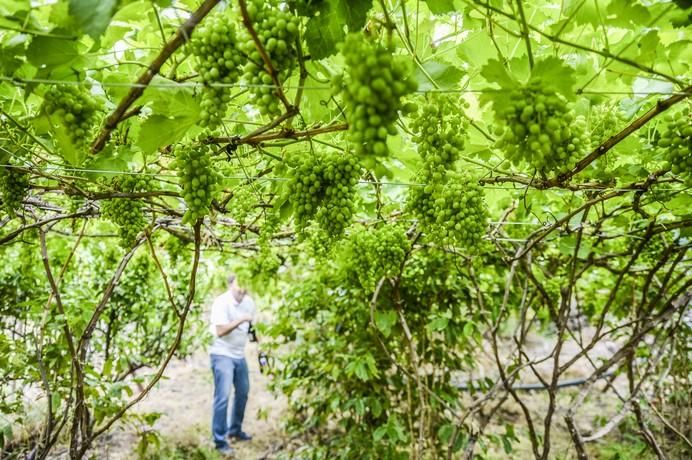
(224, 310)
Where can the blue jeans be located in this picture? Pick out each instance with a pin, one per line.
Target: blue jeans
(227, 372)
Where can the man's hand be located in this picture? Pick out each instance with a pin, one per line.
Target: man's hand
(224, 329)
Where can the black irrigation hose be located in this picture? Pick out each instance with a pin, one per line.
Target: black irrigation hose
(468, 386)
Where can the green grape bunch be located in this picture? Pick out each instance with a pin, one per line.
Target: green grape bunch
(14, 186)
(604, 121)
(198, 180)
(539, 127)
(374, 253)
(461, 213)
(322, 188)
(243, 203)
(215, 45)
(76, 108)
(421, 199)
(278, 32)
(127, 213)
(653, 250)
(452, 212)
(440, 129)
(675, 143)
(372, 88)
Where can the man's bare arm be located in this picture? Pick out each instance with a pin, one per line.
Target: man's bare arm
(224, 329)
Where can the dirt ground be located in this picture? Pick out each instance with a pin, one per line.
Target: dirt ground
(184, 398)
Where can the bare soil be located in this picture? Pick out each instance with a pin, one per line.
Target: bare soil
(184, 398)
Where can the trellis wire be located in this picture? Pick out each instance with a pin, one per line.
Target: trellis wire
(285, 179)
(173, 85)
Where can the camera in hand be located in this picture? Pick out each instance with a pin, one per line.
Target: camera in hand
(253, 334)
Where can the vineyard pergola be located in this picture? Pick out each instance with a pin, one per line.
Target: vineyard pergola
(422, 188)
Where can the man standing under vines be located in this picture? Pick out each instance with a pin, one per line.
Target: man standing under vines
(231, 314)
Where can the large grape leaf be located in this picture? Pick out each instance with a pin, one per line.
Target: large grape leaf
(476, 50)
(159, 130)
(444, 75)
(49, 52)
(10, 7)
(556, 74)
(440, 6)
(326, 29)
(495, 72)
(92, 16)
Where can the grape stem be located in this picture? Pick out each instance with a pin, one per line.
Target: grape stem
(561, 180)
(268, 67)
(660, 107)
(251, 139)
(181, 36)
(525, 32)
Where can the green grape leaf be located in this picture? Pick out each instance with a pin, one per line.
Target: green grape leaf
(625, 13)
(680, 205)
(384, 320)
(446, 76)
(476, 50)
(92, 16)
(326, 29)
(109, 164)
(495, 72)
(72, 153)
(10, 7)
(51, 52)
(158, 131)
(440, 6)
(445, 432)
(554, 73)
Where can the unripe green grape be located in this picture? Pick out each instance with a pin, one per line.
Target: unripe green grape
(193, 163)
(127, 213)
(603, 121)
(652, 252)
(277, 31)
(14, 185)
(219, 61)
(322, 188)
(539, 128)
(75, 108)
(372, 89)
(451, 212)
(675, 143)
(374, 253)
(440, 128)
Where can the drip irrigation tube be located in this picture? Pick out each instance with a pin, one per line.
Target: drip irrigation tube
(468, 386)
